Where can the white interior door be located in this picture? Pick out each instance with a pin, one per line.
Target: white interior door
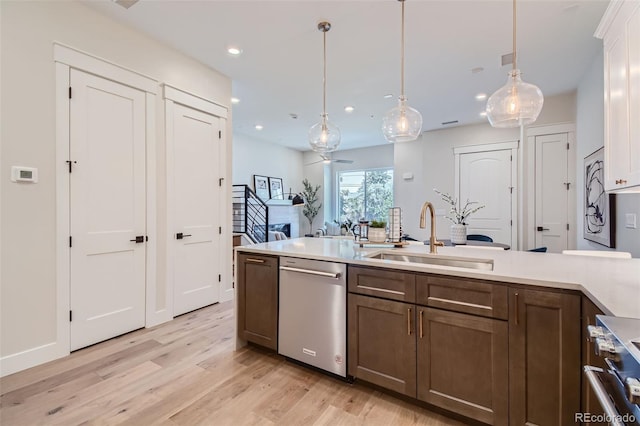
(552, 199)
(195, 145)
(486, 177)
(107, 209)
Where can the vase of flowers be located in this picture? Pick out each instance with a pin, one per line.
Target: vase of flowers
(458, 216)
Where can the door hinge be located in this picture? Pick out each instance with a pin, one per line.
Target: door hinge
(511, 222)
(219, 134)
(70, 164)
(70, 316)
(511, 190)
(567, 184)
(567, 226)
(70, 241)
(219, 278)
(511, 158)
(220, 181)
(69, 92)
(220, 230)
(567, 146)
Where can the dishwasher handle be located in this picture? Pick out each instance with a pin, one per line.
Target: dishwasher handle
(334, 275)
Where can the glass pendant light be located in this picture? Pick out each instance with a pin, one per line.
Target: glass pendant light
(516, 103)
(402, 123)
(324, 136)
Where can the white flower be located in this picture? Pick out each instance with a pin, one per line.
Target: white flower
(458, 216)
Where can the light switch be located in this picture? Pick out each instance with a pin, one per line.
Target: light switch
(631, 221)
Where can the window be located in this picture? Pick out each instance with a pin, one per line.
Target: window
(365, 194)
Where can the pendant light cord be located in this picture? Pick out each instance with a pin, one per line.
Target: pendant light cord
(324, 76)
(514, 35)
(402, 55)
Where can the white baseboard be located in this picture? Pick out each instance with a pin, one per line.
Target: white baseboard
(31, 357)
(227, 295)
(158, 317)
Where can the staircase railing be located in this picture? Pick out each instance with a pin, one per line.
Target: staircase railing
(250, 214)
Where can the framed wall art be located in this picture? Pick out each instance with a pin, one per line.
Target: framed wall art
(599, 207)
(261, 186)
(275, 189)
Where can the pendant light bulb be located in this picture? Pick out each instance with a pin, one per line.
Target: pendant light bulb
(516, 103)
(324, 136)
(402, 123)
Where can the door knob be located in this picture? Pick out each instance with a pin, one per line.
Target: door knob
(139, 239)
(180, 235)
(540, 229)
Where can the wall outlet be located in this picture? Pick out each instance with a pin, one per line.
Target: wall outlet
(630, 221)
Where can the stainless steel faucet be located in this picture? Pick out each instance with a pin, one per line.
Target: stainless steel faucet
(433, 243)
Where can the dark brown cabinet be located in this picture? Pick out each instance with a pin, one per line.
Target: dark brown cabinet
(590, 403)
(258, 299)
(382, 343)
(462, 364)
(544, 357)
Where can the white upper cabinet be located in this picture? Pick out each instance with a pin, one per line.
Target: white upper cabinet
(620, 31)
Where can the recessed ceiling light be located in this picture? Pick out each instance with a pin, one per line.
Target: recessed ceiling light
(483, 114)
(235, 100)
(481, 96)
(349, 108)
(259, 127)
(235, 51)
(388, 96)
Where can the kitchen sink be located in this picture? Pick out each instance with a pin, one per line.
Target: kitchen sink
(457, 262)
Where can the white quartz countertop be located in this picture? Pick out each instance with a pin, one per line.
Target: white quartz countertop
(611, 283)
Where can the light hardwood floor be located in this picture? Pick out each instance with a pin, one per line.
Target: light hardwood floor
(186, 372)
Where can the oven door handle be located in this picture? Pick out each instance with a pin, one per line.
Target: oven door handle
(601, 394)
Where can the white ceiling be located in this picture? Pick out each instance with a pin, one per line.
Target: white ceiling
(280, 70)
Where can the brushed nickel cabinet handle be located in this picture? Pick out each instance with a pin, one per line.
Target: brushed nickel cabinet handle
(409, 321)
(421, 316)
(251, 260)
(516, 308)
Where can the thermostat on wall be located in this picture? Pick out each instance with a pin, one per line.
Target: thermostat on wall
(24, 174)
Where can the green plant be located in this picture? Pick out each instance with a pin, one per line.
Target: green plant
(310, 195)
(458, 216)
(378, 224)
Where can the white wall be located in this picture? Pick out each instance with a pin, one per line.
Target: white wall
(590, 135)
(28, 30)
(253, 156)
(430, 159)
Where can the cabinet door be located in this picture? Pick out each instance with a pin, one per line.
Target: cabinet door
(462, 364)
(382, 343)
(590, 403)
(258, 299)
(544, 357)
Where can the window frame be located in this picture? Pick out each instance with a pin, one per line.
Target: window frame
(337, 186)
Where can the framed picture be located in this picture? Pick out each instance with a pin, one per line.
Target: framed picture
(261, 186)
(275, 189)
(599, 207)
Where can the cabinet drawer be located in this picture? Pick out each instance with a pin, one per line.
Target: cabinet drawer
(460, 295)
(383, 283)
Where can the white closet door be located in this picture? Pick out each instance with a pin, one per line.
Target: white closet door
(485, 177)
(195, 146)
(552, 196)
(107, 209)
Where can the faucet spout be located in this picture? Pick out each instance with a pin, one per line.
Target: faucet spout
(433, 242)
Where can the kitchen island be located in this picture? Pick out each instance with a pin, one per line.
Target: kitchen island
(612, 284)
(497, 338)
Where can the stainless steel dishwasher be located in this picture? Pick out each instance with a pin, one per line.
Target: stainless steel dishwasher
(312, 313)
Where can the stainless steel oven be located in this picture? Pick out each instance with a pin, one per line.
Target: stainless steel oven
(617, 387)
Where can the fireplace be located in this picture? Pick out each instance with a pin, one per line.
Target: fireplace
(285, 228)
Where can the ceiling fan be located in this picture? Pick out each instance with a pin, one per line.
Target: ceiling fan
(327, 159)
